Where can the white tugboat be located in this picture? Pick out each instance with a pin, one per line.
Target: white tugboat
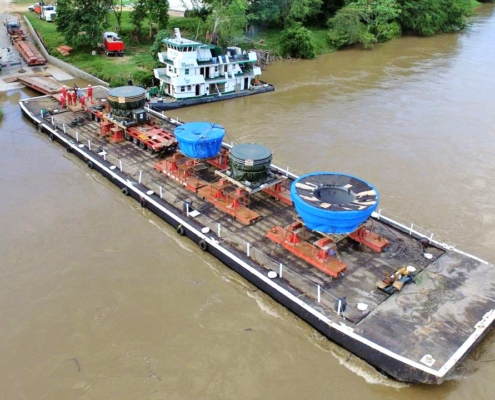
(196, 73)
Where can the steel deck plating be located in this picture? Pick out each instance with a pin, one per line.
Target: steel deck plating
(417, 335)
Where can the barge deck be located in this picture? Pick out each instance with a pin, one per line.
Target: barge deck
(418, 334)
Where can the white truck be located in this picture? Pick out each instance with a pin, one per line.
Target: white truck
(46, 12)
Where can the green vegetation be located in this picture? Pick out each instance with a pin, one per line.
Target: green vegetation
(297, 41)
(1, 114)
(137, 64)
(299, 28)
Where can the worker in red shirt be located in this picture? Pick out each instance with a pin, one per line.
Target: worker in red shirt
(64, 91)
(74, 98)
(62, 100)
(90, 93)
(82, 101)
(69, 99)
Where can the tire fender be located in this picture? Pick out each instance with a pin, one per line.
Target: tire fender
(180, 230)
(203, 245)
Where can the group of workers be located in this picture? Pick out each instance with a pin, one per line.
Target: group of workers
(68, 98)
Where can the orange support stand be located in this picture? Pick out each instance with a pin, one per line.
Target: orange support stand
(231, 201)
(317, 254)
(105, 127)
(369, 239)
(280, 191)
(221, 161)
(116, 135)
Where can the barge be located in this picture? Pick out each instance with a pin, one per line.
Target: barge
(409, 305)
(196, 73)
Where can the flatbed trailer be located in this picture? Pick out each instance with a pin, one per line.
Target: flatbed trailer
(29, 53)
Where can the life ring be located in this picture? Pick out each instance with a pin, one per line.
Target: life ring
(90, 164)
(180, 230)
(125, 191)
(51, 136)
(203, 245)
(142, 202)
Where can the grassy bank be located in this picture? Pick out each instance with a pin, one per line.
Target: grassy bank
(137, 64)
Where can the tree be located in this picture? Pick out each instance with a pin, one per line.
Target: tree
(157, 44)
(428, 17)
(365, 22)
(297, 42)
(117, 9)
(156, 11)
(283, 13)
(227, 19)
(82, 21)
(138, 15)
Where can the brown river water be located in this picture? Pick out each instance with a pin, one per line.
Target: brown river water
(100, 299)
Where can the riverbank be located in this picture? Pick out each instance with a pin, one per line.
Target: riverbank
(8, 13)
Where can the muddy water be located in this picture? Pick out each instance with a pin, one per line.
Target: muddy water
(101, 300)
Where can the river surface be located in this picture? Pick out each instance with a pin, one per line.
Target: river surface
(100, 299)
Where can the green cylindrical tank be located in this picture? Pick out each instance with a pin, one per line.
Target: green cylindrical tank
(124, 99)
(250, 162)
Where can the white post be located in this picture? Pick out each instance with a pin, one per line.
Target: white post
(431, 236)
(161, 192)
(187, 209)
(140, 176)
(339, 308)
(319, 296)
(53, 121)
(105, 156)
(219, 230)
(379, 213)
(411, 230)
(248, 246)
(64, 128)
(280, 268)
(287, 171)
(120, 161)
(77, 136)
(89, 144)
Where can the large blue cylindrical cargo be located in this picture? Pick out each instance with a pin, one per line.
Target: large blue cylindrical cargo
(330, 202)
(200, 139)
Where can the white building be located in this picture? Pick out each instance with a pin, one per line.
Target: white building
(193, 69)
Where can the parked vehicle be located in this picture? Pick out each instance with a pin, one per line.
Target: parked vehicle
(46, 12)
(113, 44)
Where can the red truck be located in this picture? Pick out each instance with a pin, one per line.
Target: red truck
(113, 44)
